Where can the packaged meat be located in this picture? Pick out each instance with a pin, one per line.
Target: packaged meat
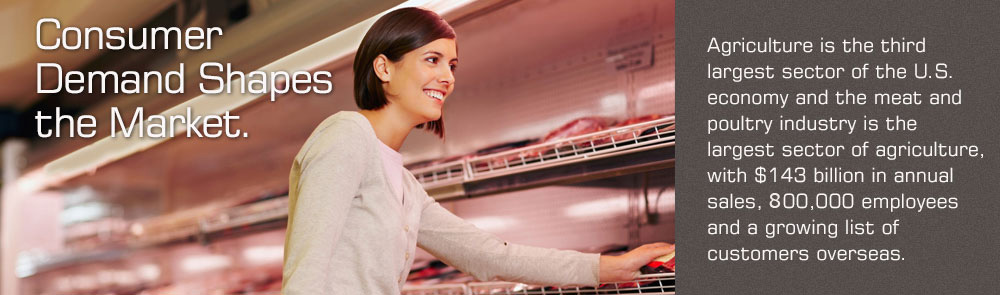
(435, 270)
(662, 264)
(640, 119)
(574, 128)
(626, 135)
(579, 127)
(506, 161)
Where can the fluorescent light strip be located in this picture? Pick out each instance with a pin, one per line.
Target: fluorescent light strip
(108, 149)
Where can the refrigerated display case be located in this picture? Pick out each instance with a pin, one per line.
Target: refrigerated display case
(208, 216)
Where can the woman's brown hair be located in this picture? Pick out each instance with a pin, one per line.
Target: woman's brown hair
(393, 35)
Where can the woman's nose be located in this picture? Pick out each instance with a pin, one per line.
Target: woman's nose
(446, 76)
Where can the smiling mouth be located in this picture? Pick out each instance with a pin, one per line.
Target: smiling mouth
(435, 94)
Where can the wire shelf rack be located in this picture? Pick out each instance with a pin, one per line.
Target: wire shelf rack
(440, 289)
(644, 284)
(563, 151)
(243, 215)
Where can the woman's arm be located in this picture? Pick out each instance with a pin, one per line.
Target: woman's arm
(324, 179)
(486, 257)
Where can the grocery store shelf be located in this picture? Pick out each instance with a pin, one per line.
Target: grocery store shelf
(630, 149)
(250, 218)
(437, 289)
(645, 284)
(625, 162)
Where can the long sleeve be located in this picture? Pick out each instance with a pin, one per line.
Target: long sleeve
(325, 177)
(486, 257)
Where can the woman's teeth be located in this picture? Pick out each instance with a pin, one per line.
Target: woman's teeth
(435, 95)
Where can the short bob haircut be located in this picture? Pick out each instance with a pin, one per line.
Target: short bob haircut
(393, 35)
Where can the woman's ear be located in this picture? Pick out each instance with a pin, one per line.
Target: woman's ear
(382, 68)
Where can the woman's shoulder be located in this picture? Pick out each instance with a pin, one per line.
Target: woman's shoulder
(342, 123)
(345, 129)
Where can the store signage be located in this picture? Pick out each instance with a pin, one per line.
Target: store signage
(631, 56)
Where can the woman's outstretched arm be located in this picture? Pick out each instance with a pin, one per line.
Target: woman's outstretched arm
(486, 257)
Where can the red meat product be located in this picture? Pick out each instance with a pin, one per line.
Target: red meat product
(578, 127)
(501, 162)
(573, 128)
(662, 264)
(638, 120)
(626, 135)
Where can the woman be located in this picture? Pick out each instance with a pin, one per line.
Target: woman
(356, 215)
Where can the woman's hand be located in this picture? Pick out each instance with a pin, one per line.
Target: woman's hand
(625, 267)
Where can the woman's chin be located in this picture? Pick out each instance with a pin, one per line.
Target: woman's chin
(432, 116)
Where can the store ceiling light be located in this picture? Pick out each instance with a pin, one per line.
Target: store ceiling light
(108, 149)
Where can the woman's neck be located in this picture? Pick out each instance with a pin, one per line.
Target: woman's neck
(391, 126)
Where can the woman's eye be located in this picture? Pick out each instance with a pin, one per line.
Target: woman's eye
(432, 60)
(453, 67)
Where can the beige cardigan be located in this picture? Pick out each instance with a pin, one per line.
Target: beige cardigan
(348, 235)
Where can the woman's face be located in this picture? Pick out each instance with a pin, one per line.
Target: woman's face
(422, 79)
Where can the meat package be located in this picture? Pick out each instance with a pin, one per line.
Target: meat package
(626, 135)
(574, 128)
(434, 272)
(587, 125)
(499, 162)
(662, 264)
